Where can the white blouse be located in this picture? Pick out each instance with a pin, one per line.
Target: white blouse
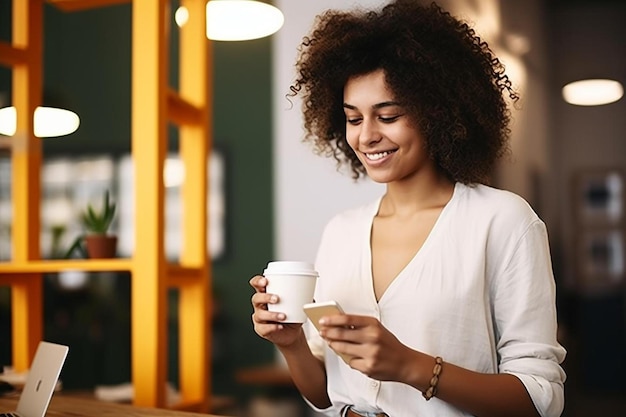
(480, 293)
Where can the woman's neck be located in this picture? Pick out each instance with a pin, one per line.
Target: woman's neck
(407, 198)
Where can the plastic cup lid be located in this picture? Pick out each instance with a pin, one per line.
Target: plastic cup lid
(290, 267)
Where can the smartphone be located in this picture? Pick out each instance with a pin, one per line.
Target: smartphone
(315, 311)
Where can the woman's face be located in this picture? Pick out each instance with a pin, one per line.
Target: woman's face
(379, 130)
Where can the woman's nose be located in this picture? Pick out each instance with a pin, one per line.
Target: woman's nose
(369, 132)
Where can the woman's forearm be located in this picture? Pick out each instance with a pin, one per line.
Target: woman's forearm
(482, 395)
(307, 371)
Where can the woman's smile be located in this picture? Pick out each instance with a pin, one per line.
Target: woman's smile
(378, 156)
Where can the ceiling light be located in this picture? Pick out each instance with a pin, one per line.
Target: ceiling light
(181, 16)
(238, 20)
(49, 122)
(592, 92)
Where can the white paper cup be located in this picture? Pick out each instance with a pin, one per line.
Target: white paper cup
(294, 284)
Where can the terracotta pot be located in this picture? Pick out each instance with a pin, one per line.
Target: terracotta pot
(101, 246)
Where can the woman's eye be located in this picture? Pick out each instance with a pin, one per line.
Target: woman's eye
(389, 119)
(355, 120)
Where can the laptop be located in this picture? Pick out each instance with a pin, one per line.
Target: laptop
(41, 380)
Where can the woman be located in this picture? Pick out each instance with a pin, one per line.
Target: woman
(447, 282)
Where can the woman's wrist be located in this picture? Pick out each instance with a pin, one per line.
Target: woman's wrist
(294, 347)
(433, 384)
(419, 371)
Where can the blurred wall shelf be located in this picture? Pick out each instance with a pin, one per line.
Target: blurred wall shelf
(154, 105)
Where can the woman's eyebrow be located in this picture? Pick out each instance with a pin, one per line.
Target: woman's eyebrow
(385, 104)
(375, 106)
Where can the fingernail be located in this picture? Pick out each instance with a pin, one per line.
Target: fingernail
(281, 317)
(273, 299)
(322, 321)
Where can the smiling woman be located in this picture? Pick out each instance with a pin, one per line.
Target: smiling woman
(446, 282)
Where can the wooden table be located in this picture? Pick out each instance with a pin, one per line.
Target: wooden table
(64, 406)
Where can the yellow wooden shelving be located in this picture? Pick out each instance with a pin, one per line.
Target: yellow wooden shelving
(54, 265)
(154, 105)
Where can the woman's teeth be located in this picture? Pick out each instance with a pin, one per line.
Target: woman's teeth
(377, 156)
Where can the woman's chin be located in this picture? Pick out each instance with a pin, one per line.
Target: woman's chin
(379, 177)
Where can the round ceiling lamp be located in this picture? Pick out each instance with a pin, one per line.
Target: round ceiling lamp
(48, 122)
(240, 20)
(181, 16)
(593, 92)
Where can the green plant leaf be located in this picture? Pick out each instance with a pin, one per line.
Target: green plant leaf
(77, 245)
(99, 222)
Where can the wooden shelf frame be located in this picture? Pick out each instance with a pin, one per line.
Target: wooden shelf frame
(24, 56)
(154, 105)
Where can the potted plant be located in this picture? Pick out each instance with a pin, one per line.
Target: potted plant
(96, 240)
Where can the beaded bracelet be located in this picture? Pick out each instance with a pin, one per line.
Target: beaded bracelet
(432, 389)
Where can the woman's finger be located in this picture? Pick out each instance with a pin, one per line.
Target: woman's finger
(266, 330)
(264, 316)
(346, 334)
(261, 299)
(348, 321)
(258, 282)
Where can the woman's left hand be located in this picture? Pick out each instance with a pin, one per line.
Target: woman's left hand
(375, 351)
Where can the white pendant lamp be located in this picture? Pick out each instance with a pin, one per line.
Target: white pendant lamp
(239, 20)
(236, 20)
(593, 92)
(48, 122)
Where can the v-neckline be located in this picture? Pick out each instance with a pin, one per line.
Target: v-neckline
(416, 256)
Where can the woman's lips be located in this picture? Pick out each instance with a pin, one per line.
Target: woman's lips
(377, 158)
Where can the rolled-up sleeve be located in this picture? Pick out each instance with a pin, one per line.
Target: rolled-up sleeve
(526, 321)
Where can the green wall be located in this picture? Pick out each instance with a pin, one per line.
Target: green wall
(87, 68)
(243, 131)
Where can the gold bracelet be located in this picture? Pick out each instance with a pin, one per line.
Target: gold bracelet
(432, 389)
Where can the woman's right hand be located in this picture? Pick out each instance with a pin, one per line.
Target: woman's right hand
(267, 324)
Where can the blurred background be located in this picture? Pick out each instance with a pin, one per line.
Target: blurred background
(273, 195)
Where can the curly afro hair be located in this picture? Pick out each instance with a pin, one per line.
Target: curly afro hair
(445, 76)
